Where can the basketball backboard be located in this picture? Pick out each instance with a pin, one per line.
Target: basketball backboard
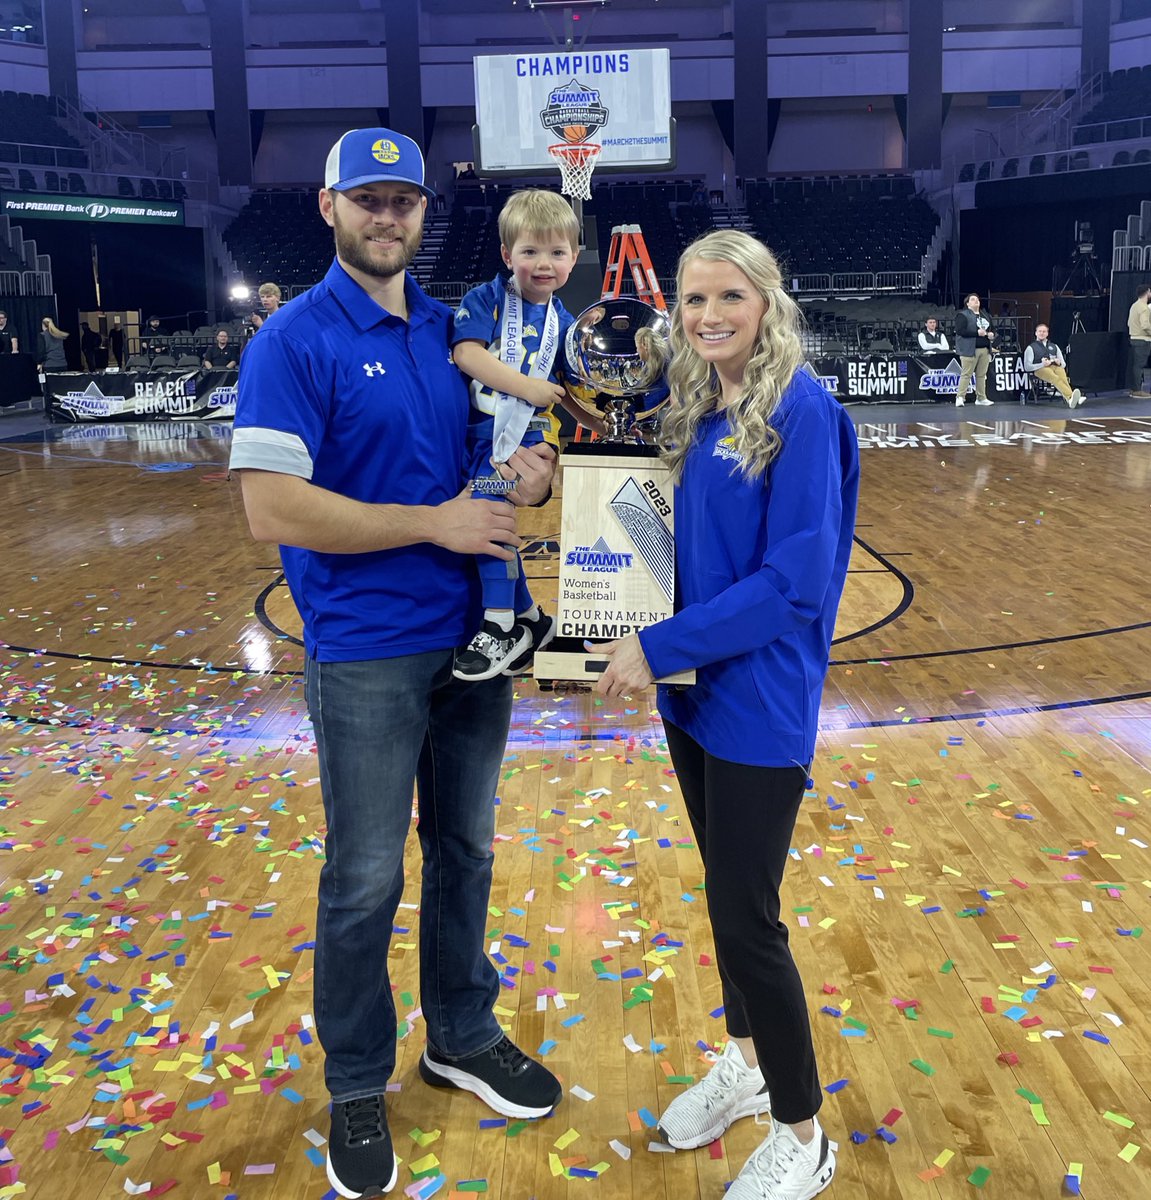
(619, 100)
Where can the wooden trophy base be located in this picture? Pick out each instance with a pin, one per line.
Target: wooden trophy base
(617, 566)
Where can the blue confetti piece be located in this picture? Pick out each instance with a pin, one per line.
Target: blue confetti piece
(1096, 1037)
(837, 1086)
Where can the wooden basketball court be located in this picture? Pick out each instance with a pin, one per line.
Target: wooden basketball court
(970, 883)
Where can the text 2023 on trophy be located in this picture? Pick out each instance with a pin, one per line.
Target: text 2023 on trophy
(617, 546)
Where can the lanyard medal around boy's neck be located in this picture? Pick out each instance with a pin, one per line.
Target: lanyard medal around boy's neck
(513, 415)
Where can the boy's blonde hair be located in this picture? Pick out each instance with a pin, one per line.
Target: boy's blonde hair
(534, 211)
(270, 289)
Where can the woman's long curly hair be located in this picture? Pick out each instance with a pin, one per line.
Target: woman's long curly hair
(776, 356)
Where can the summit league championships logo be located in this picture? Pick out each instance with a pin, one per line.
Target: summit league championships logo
(574, 112)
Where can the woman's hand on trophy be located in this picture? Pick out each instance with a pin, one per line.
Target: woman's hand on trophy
(533, 468)
(627, 669)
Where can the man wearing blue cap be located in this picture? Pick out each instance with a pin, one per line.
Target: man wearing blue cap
(349, 440)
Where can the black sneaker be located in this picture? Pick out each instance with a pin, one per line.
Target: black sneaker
(542, 629)
(490, 651)
(361, 1161)
(503, 1077)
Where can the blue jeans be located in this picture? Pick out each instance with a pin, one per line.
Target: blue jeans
(381, 727)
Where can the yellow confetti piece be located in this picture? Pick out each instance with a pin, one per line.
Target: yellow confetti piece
(1039, 1115)
(420, 1165)
(827, 923)
(554, 1165)
(214, 1173)
(944, 1157)
(1128, 1152)
(566, 1139)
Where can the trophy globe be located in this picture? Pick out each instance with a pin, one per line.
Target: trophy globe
(618, 349)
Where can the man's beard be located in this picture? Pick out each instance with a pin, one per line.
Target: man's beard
(358, 254)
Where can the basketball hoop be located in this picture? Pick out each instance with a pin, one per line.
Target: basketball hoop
(576, 163)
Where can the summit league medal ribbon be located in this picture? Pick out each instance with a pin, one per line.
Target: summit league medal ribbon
(513, 415)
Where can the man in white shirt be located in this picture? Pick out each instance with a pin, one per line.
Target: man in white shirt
(1139, 330)
(931, 337)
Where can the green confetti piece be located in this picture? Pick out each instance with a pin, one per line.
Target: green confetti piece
(472, 1185)
(943, 1033)
(516, 1128)
(685, 1079)
(947, 967)
(910, 1013)
(1119, 1119)
(855, 1024)
(920, 1065)
(1029, 1096)
(979, 1176)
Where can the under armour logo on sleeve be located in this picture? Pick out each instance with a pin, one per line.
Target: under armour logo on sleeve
(374, 369)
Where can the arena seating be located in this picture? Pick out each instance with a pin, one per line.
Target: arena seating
(280, 235)
(851, 223)
(842, 223)
(33, 117)
(1126, 98)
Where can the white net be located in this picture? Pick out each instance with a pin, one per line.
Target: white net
(576, 163)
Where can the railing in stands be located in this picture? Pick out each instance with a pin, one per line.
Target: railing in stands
(1131, 258)
(10, 283)
(899, 281)
(811, 284)
(450, 291)
(36, 154)
(1120, 130)
(860, 283)
(37, 283)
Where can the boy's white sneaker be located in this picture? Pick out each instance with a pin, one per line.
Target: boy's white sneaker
(729, 1091)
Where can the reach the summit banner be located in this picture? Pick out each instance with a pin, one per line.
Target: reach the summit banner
(50, 206)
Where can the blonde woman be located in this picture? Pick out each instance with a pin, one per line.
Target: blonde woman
(766, 473)
(50, 348)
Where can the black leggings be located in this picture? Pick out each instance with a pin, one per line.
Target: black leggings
(743, 818)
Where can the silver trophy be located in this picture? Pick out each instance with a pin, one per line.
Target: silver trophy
(619, 349)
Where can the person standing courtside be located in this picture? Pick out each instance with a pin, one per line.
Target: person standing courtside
(1139, 331)
(766, 471)
(973, 338)
(1045, 361)
(9, 342)
(350, 443)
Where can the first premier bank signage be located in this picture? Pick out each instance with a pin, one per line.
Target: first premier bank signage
(117, 210)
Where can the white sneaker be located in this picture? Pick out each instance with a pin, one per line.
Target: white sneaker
(783, 1168)
(984, 401)
(729, 1091)
(1076, 398)
(959, 403)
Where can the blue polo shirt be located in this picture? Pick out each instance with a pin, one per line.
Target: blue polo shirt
(338, 391)
(760, 567)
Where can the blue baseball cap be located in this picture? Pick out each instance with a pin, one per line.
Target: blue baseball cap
(374, 156)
